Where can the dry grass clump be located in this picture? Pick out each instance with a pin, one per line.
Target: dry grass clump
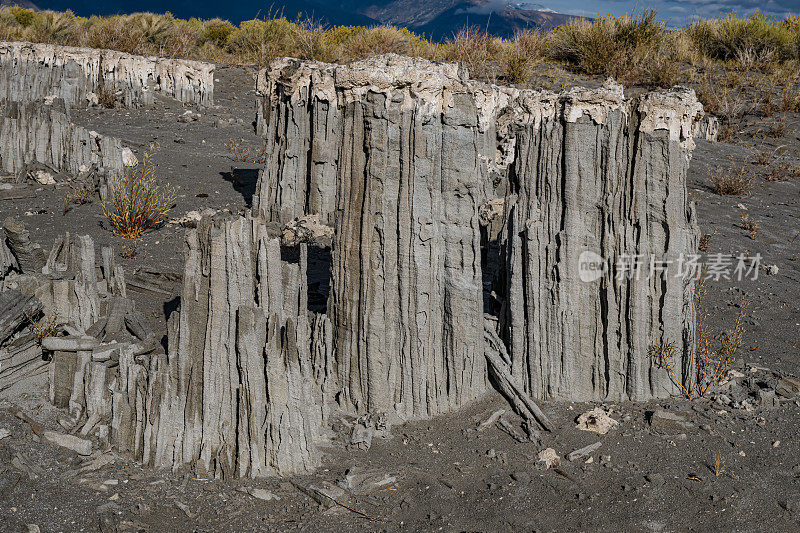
(747, 41)
(241, 153)
(137, 203)
(636, 49)
(78, 193)
(633, 49)
(720, 91)
(719, 464)
(735, 180)
(476, 51)
(751, 225)
(41, 325)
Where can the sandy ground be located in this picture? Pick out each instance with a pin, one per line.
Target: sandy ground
(445, 474)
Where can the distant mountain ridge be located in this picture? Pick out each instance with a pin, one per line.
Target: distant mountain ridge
(437, 19)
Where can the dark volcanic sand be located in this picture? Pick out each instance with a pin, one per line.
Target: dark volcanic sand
(450, 477)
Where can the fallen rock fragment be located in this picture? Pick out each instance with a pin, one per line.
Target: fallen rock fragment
(360, 481)
(788, 387)
(76, 444)
(767, 399)
(306, 229)
(43, 177)
(185, 508)
(515, 432)
(361, 437)
(580, 453)
(97, 463)
(4, 433)
(70, 344)
(548, 458)
(24, 464)
(261, 494)
(662, 421)
(128, 158)
(489, 422)
(326, 494)
(597, 421)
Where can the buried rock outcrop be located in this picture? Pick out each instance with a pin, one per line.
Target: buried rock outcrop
(34, 71)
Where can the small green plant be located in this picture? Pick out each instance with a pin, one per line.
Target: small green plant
(136, 203)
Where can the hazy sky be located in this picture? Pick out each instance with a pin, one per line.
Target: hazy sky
(675, 11)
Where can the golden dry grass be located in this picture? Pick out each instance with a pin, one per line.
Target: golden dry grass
(637, 49)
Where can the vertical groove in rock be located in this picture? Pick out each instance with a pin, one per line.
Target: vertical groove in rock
(33, 71)
(33, 132)
(236, 395)
(299, 118)
(597, 174)
(405, 305)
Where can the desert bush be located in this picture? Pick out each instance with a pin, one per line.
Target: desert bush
(519, 55)
(217, 31)
(735, 180)
(712, 354)
(114, 33)
(55, 27)
(748, 41)
(24, 17)
(260, 41)
(477, 51)
(720, 92)
(137, 203)
(632, 49)
(349, 43)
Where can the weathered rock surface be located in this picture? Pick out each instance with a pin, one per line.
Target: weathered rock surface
(406, 305)
(307, 111)
(600, 179)
(236, 396)
(401, 153)
(417, 169)
(33, 132)
(33, 71)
